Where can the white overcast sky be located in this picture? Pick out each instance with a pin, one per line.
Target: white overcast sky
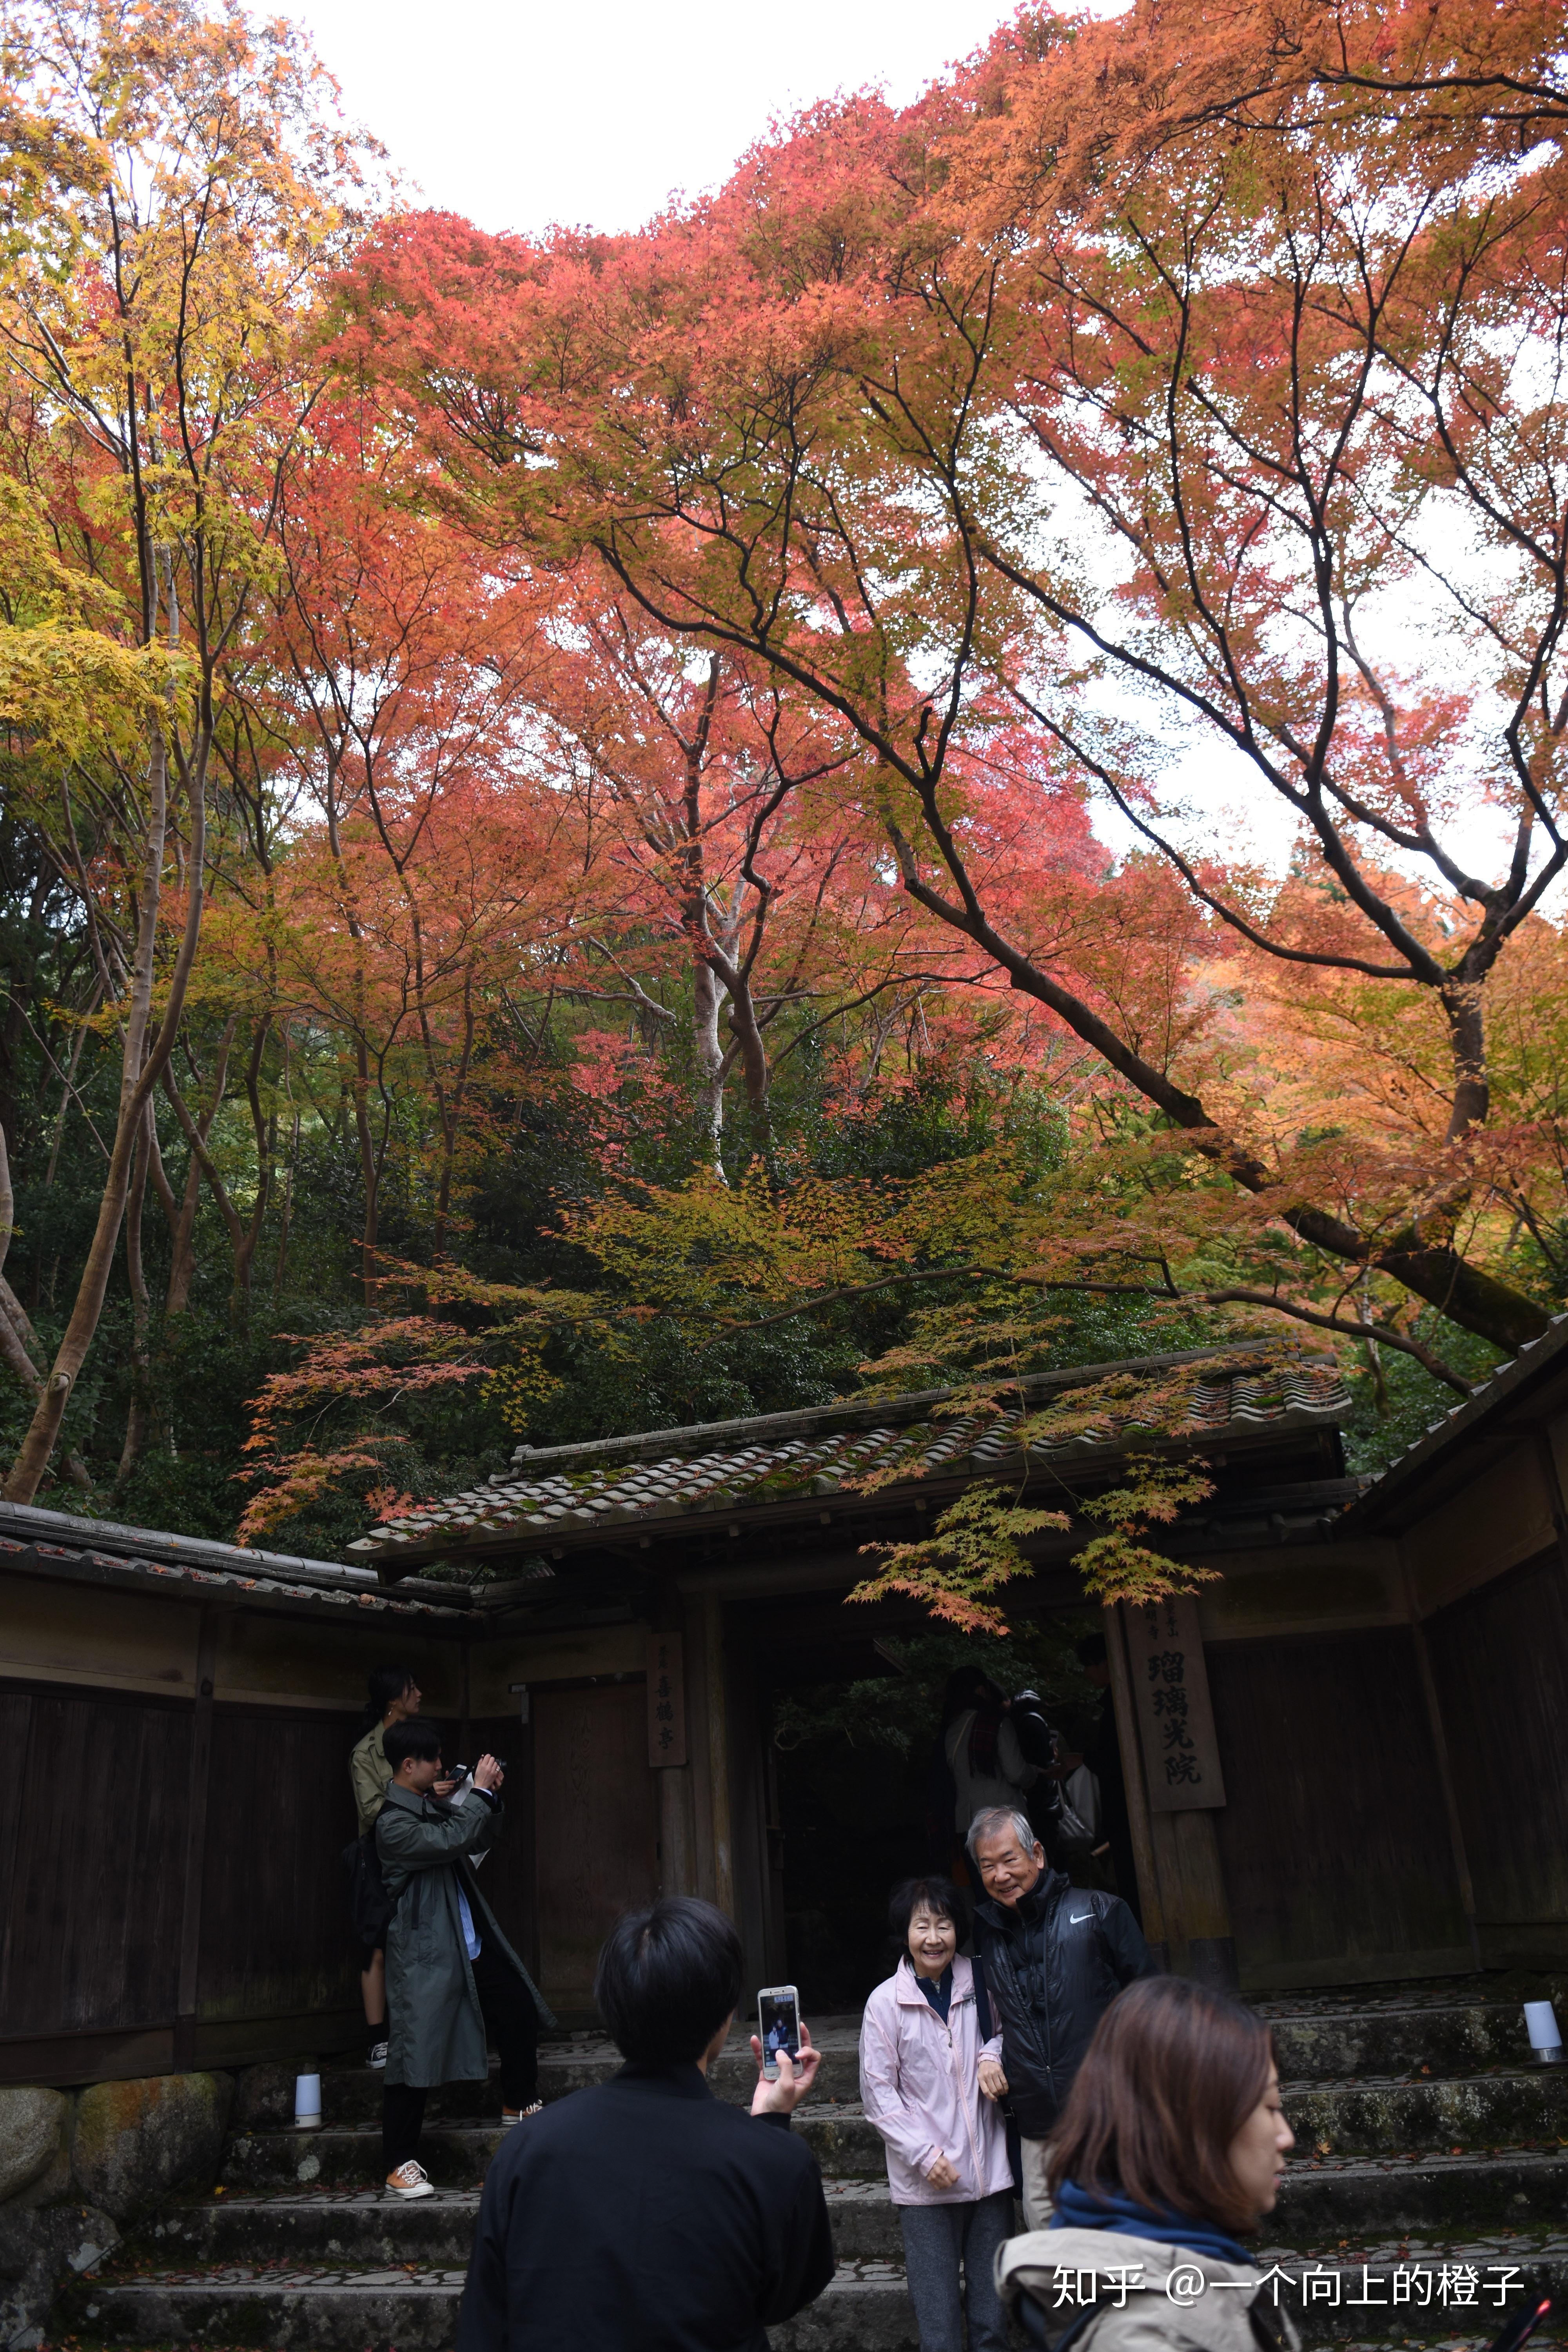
(518, 116)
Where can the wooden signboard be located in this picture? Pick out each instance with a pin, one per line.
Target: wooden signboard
(1175, 1721)
(666, 1700)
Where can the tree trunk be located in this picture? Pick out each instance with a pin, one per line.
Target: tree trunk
(286, 1217)
(141, 1070)
(707, 995)
(183, 1256)
(18, 1336)
(140, 1365)
(370, 1175)
(68, 1088)
(451, 1114)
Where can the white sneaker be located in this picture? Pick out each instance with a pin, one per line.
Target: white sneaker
(410, 2180)
(377, 2054)
(509, 2115)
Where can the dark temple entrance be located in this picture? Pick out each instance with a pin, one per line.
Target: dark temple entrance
(851, 1723)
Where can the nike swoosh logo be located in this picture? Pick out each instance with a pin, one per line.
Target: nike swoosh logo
(1078, 1918)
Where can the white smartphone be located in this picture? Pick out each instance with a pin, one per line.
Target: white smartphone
(778, 2025)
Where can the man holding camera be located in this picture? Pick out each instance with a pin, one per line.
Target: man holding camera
(452, 1979)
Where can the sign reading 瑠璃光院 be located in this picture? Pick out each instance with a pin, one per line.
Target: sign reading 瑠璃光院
(1171, 1692)
(666, 1700)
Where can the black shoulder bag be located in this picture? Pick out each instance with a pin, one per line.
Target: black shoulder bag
(986, 2024)
(370, 1906)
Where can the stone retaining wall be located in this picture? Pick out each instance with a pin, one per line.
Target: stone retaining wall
(76, 2165)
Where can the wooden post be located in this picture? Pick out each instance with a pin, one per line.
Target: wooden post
(1205, 1905)
(1183, 1785)
(1149, 1894)
(718, 1754)
(1440, 1747)
(185, 2052)
(668, 1752)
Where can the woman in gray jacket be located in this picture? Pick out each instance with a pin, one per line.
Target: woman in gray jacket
(1168, 2151)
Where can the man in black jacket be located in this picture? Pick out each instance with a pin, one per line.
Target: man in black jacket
(1055, 1957)
(646, 2215)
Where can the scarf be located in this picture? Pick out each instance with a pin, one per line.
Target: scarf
(938, 1991)
(983, 1734)
(1109, 2210)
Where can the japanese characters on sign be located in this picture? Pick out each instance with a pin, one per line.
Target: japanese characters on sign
(666, 1700)
(1171, 1692)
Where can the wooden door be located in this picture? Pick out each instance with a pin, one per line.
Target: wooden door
(595, 1834)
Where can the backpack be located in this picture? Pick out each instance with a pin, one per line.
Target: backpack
(370, 1906)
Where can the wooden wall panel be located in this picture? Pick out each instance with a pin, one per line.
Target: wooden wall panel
(96, 1842)
(595, 1824)
(1334, 1847)
(1500, 1659)
(506, 1873)
(276, 1937)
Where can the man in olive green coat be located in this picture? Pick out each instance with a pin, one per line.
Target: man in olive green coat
(452, 1979)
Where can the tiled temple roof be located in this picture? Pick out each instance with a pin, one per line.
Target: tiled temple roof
(567, 1495)
(1405, 1485)
(106, 1553)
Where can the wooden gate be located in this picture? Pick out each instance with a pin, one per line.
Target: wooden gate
(594, 1825)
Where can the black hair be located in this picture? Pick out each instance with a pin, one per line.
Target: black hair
(414, 1737)
(386, 1683)
(669, 1977)
(967, 1686)
(1090, 1651)
(933, 1893)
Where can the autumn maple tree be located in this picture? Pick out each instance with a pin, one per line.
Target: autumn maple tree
(1188, 383)
(147, 326)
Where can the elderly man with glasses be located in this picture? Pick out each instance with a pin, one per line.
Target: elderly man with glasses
(1056, 1955)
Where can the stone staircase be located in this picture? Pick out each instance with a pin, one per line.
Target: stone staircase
(1429, 2145)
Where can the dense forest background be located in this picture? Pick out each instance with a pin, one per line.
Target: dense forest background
(549, 1143)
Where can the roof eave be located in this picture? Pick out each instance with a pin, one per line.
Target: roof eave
(1405, 1490)
(825, 1499)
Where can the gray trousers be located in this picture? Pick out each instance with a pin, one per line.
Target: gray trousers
(937, 2239)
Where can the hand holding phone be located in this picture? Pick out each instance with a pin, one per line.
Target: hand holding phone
(778, 2026)
(786, 2062)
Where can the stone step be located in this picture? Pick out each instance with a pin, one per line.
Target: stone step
(1341, 2296)
(1315, 2046)
(866, 2309)
(369, 2228)
(1449, 2041)
(1320, 2202)
(455, 2153)
(1366, 2115)
(1509, 2188)
(1470, 2114)
(1316, 2041)
(352, 2095)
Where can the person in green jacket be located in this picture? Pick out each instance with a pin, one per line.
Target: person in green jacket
(453, 1978)
(393, 1696)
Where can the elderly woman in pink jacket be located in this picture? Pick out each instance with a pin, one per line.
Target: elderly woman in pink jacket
(921, 2047)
